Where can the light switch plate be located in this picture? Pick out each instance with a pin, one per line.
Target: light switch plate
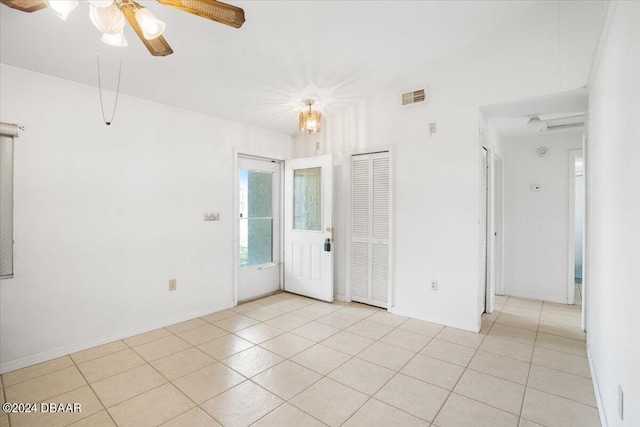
(212, 216)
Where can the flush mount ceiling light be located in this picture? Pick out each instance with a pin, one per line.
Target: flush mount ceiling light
(109, 15)
(536, 124)
(310, 120)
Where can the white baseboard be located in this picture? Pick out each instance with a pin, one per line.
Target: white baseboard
(12, 365)
(539, 297)
(340, 297)
(596, 387)
(467, 326)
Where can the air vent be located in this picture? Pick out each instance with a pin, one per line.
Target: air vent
(418, 96)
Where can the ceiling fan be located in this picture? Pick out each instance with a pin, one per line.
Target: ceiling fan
(108, 16)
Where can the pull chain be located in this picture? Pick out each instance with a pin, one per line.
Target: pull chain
(115, 104)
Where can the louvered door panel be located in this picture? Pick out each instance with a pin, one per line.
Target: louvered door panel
(379, 274)
(360, 193)
(483, 224)
(380, 196)
(360, 272)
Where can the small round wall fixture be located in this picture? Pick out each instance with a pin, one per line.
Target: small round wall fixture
(543, 151)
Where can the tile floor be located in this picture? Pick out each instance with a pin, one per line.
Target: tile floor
(286, 360)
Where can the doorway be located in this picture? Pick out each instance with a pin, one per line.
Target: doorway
(259, 225)
(575, 289)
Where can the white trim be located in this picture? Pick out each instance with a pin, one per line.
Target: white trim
(538, 297)
(596, 387)
(73, 348)
(571, 238)
(467, 326)
(602, 41)
(340, 297)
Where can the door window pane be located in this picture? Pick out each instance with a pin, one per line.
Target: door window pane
(307, 199)
(256, 218)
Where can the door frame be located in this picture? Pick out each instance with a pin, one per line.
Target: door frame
(349, 227)
(573, 155)
(495, 233)
(236, 216)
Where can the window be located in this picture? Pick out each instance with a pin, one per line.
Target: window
(7, 132)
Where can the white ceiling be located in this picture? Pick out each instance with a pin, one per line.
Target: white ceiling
(336, 51)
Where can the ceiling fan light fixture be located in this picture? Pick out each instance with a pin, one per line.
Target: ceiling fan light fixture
(62, 8)
(116, 39)
(151, 26)
(108, 20)
(310, 121)
(101, 3)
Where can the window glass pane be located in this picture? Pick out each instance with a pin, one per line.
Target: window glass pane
(307, 199)
(256, 244)
(6, 206)
(260, 193)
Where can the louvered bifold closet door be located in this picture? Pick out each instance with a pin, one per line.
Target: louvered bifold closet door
(370, 221)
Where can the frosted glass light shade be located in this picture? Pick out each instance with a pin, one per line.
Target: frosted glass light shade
(108, 20)
(310, 121)
(117, 39)
(62, 8)
(101, 3)
(151, 26)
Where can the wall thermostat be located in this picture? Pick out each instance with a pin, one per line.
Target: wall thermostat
(543, 151)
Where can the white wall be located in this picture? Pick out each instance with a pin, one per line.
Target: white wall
(536, 224)
(613, 213)
(436, 180)
(105, 216)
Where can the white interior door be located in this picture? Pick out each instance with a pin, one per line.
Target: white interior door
(259, 227)
(308, 263)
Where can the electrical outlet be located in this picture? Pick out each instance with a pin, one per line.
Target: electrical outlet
(432, 129)
(620, 402)
(172, 284)
(434, 285)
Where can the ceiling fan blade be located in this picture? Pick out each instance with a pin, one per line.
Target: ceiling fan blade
(157, 46)
(210, 9)
(25, 5)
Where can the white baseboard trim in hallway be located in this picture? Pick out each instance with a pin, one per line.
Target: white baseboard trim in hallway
(596, 388)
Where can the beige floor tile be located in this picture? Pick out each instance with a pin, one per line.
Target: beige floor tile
(219, 315)
(405, 339)
(329, 401)
(288, 322)
(112, 364)
(361, 375)
(163, 347)
(386, 355)
(4, 420)
(195, 417)
(300, 298)
(287, 345)
(315, 331)
(182, 363)
(315, 311)
(564, 309)
(123, 386)
(504, 347)
(202, 334)
(347, 342)
(46, 386)
(449, 352)
(485, 327)
(560, 361)
(208, 382)
(224, 347)
(242, 405)
(151, 408)
(413, 396)
(562, 330)
(524, 303)
(434, 371)
(360, 310)
(259, 333)
(273, 299)
(527, 423)
(461, 411)
(561, 319)
(554, 411)
(252, 361)
(458, 336)
(558, 343)
(388, 319)
(368, 329)
(99, 351)
(321, 359)
(486, 317)
(264, 313)
(338, 320)
(421, 327)
(89, 405)
(186, 325)
(522, 312)
(501, 366)
(101, 419)
(573, 387)
(236, 323)
(514, 334)
(378, 414)
(288, 415)
(247, 307)
(517, 321)
(493, 391)
(140, 339)
(288, 305)
(286, 379)
(34, 371)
